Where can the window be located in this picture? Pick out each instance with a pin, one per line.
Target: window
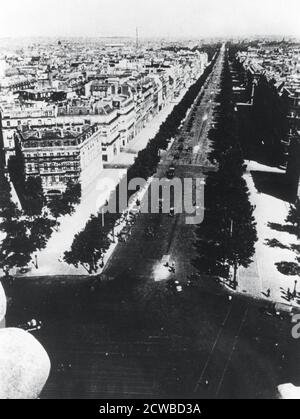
(8, 123)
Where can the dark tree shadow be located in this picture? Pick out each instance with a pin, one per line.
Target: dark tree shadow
(284, 228)
(275, 243)
(288, 268)
(274, 184)
(295, 248)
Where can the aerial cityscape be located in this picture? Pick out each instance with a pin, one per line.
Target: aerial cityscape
(150, 200)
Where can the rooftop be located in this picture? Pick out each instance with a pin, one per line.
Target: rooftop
(27, 134)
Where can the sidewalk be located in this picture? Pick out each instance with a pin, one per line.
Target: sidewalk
(127, 156)
(262, 273)
(50, 260)
(141, 140)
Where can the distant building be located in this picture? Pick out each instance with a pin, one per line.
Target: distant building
(16, 115)
(42, 95)
(16, 83)
(293, 166)
(292, 94)
(280, 67)
(58, 156)
(69, 86)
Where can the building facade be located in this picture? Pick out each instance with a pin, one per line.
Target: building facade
(58, 156)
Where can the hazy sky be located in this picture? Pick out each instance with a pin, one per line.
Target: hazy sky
(191, 18)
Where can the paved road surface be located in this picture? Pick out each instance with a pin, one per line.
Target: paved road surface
(141, 254)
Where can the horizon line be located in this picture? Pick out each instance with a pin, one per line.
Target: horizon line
(185, 37)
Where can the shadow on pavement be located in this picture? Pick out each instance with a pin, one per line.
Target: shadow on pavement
(284, 228)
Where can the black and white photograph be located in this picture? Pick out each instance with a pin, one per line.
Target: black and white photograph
(150, 202)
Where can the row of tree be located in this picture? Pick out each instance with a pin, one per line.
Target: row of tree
(293, 221)
(21, 235)
(27, 230)
(227, 236)
(65, 203)
(90, 245)
(147, 160)
(269, 117)
(265, 124)
(29, 190)
(31, 194)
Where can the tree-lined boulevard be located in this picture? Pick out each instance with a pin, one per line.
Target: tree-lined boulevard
(158, 322)
(89, 245)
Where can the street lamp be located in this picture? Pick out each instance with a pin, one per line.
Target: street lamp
(102, 216)
(36, 262)
(295, 289)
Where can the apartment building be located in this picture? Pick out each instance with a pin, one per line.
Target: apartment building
(16, 114)
(58, 155)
